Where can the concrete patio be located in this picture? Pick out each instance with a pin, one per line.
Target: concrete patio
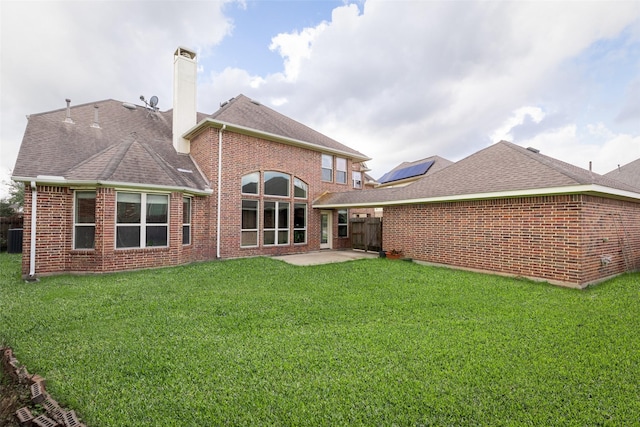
(325, 257)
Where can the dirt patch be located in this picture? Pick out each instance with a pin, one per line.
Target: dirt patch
(13, 396)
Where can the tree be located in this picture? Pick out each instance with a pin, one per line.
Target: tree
(16, 191)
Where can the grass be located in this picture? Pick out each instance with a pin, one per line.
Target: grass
(369, 342)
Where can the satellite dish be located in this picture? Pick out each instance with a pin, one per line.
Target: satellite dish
(153, 102)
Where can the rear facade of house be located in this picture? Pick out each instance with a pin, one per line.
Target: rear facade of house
(116, 186)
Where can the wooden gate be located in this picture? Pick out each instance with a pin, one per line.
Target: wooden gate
(366, 233)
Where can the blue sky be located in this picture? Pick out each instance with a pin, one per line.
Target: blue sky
(396, 80)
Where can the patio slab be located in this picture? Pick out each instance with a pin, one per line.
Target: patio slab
(325, 257)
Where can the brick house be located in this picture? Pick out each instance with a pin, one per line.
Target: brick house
(513, 211)
(118, 186)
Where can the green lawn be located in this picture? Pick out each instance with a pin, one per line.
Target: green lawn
(369, 342)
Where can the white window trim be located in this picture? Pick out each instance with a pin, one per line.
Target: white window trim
(306, 221)
(257, 230)
(323, 156)
(341, 171)
(143, 221)
(276, 230)
(190, 220)
(82, 224)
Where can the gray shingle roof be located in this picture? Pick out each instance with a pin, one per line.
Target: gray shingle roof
(130, 146)
(628, 174)
(242, 111)
(502, 167)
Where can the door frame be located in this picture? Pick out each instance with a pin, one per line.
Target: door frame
(329, 243)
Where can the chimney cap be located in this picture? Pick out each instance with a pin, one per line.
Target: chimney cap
(185, 52)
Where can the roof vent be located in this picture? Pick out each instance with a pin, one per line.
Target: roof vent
(68, 118)
(96, 121)
(533, 150)
(253, 101)
(129, 106)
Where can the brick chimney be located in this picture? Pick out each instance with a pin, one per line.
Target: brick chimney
(184, 96)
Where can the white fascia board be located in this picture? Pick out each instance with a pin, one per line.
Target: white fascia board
(576, 189)
(61, 181)
(208, 122)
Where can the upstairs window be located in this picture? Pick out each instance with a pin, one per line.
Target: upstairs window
(327, 168)
(84, 220)
(357, 179)
(341, 170)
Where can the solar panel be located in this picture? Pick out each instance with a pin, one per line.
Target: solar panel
(408, 172)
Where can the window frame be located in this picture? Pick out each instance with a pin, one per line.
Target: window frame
(343, 225)
(277, 228)
(357, 182)
(327, 165)
(188, 200)
(300, 229)
(256, 230)
(341, 174)
(144, 224)
(78, 224)
(257, 181)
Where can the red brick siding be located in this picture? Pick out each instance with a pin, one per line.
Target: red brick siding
(244, 154)
(555, 238)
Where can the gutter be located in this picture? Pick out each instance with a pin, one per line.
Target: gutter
(34, 216)
(63, 182)
(592, 189)
(209, 122)
(219, 210)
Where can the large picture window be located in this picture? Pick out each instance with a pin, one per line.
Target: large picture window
(142, 220)
(84, 220)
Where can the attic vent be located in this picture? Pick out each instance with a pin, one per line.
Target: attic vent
(68, 118)
(533, 150)
(129, 106)
(185, 170)
(253, 101)
(222, 104)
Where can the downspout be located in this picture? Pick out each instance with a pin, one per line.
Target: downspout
(218, 227)
(32, 254)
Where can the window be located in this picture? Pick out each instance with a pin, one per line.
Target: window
(249, 232)
(327, 168)
(300, 189)
(341, 170)
(357, 179)
(250, 183)
(276, 184)
(186, 220)
(343, 223)
(85, 220)
(300, 223)
(142, 220)
(276, 223)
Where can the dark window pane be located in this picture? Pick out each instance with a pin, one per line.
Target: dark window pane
(270, 237)
(86, 207)
(250, 183)
(249, 214)
(157, 209)
(186, 234)
(283, 237)
(128, 237)
(129, 208)
(299, 236)
(300, 189)
(186, 210)
(156, 235)
(85, 237)
(276, 184)
(299, 215)
(269, 215)
(249, 238)
(283, 215)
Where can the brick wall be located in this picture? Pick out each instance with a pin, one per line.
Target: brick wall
(561, 239)
(243, 154)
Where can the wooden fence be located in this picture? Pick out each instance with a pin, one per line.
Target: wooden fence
(366, 233)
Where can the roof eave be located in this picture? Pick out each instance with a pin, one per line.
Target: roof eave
(218, 124)
(63, 182)
(591, 189)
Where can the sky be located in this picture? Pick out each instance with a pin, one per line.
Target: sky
(396, 80)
